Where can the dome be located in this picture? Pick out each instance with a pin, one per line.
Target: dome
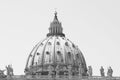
(56, 53)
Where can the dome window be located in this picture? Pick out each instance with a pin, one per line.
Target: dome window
(38, 53)
(41, 44)
(49, 43)
(35, 63)
(77, 55)
(58, 52)
(47, 53)
(73, 45)
(61, 60)
(69, 53)
(58, 43)
(66, 43)
(63, 38)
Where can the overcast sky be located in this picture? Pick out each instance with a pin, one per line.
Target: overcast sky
(93, 25)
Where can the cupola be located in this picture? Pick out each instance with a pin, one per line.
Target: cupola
(55, 28)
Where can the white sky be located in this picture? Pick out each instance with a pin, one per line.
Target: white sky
(93, 25)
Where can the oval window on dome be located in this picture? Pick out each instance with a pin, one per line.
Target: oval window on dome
(58, 43)
(63, 38)
(49, 43)
(47, 52)
(35, 63)
(41, 44)
(73, 45)
(61, 60)
(69, 53)
(77, 55)
(38, 53)
(66, 43)
(58, 52)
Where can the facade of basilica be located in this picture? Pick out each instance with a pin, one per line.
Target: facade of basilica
(58, 58)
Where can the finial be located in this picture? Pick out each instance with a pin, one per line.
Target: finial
(55, 13)
(55, 18)
(55, 27)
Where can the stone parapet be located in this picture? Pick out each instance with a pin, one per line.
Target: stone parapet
(61, 78)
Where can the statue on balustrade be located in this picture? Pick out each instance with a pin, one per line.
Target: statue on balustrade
(9, 70)
(109, 72)
(90, 72)
(2, 75)
(102, 71)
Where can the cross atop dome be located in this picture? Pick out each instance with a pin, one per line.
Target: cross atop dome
(55, 13)
(55, 18)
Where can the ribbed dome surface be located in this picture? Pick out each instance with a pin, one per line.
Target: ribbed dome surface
(56, 51)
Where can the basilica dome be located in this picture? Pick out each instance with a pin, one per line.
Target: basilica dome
(56, 52)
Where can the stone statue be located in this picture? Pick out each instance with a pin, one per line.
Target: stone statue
(102, 71)
(9, 70)
(109, 72)
(2, 75)
(90, 71)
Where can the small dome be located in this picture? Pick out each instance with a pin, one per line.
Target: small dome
(56, 50)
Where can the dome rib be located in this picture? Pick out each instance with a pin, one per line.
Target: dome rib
(36, 51)
(62, 49)
(54, 58)
(33, 50)
(43, 52)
